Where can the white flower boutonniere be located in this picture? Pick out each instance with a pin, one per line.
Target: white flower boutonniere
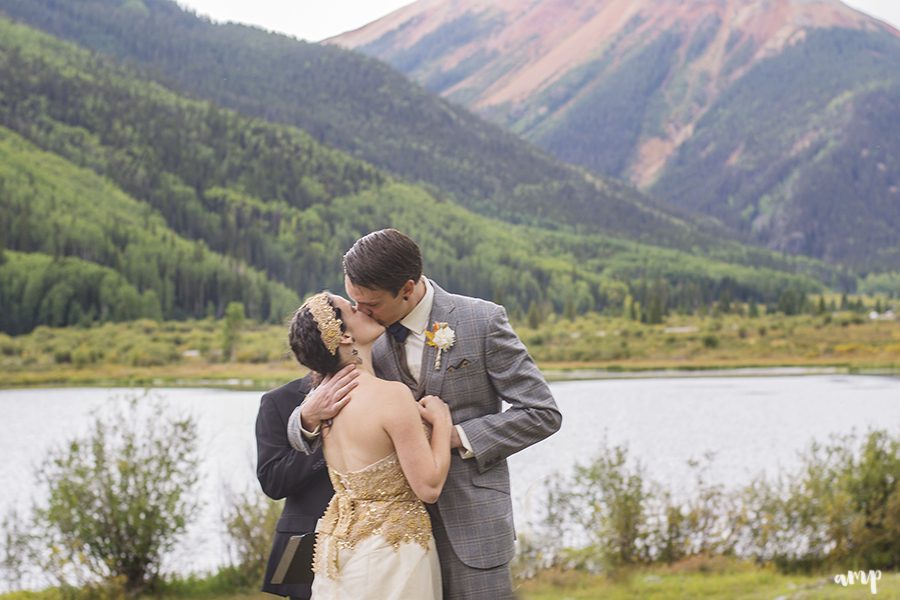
(442, 338)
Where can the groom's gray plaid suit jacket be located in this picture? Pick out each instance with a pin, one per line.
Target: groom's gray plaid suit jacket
(487, 365)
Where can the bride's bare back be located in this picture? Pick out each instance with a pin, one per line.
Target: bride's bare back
(382, 418)
(357, 437)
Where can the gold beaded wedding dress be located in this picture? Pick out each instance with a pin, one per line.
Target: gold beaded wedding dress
(375, 540)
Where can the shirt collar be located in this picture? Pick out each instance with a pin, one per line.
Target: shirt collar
(417, 319)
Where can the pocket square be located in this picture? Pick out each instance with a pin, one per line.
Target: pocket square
(463, 363)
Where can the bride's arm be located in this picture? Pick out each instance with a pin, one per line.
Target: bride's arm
(424, 463)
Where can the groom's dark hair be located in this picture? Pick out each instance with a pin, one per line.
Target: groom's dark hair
(383, 260)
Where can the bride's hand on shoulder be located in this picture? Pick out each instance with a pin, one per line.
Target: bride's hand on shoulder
(434, 411)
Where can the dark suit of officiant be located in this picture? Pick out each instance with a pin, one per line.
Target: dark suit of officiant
(285, 473)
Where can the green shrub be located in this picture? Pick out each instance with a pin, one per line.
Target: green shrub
(710, 341)
(118, 499)
(250, 521)
(8, 346)
(83, 355)
(150, 354)
(841, 510)
(255, 354)
(606, 502)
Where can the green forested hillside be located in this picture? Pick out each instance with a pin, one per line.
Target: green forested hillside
(57, 210)
(359, 105)
(40, 289)
(60, 211)
(194, 206)
(214, 175)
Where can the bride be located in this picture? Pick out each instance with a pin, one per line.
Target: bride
(374, 540)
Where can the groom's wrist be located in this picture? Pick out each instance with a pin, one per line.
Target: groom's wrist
(309, 427)
(458, 434)
(310, 435)
(455, 439)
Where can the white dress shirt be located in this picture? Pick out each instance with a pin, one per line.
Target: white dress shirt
(417, 323)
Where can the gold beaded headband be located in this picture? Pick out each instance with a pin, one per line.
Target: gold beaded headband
(329, 325)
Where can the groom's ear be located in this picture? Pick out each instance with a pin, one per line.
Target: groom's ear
(408, 288)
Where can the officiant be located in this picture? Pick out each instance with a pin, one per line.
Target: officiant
(301, 480)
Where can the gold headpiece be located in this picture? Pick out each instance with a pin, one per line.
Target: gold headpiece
(329, 325)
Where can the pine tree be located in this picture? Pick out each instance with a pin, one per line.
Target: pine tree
(534, 316)
(234, 320)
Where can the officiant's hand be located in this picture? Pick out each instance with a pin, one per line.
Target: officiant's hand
(327, 400)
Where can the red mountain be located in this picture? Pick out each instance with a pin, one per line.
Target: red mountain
(741, 109)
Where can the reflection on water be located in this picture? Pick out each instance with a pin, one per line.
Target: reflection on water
(753, 425)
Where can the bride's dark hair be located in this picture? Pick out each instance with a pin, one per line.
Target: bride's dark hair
(307, 345)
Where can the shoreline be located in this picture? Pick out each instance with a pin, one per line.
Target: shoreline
(553, 374)
(188, 354)
(709, 372)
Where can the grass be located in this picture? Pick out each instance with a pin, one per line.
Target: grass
(708, 579)
(177, 353)
(847, 340)
(731, 581)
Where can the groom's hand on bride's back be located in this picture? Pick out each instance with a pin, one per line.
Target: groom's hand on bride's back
(329, 397)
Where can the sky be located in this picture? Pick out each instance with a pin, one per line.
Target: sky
(886, 10)
(315, 20)
(311, 20)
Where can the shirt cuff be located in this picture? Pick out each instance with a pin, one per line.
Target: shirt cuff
(310, 435)
(466, 450)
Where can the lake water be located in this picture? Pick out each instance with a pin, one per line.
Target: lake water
(752, 424)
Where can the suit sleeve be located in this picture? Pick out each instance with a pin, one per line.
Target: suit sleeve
(532, 414)
(281, 470)
(297, 440)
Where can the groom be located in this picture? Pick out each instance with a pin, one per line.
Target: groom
(485, 365)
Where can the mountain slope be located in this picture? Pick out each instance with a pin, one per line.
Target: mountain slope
(739, 110)
(160, 205)
(93, 253)
(363, 107)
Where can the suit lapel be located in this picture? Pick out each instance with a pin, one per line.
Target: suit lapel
(388, 358)
(441, 312)
(385, 360)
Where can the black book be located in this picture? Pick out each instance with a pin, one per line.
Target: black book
(295, 565)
